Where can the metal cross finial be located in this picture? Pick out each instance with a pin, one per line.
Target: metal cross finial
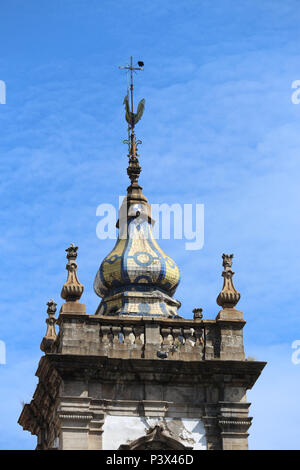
(132, 69)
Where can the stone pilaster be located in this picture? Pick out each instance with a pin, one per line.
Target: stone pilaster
(95, 433)
(234, 423)
(212, 431)
(231, 339)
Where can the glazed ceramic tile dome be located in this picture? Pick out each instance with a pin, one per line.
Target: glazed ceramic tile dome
(137, 260)
(137, 277)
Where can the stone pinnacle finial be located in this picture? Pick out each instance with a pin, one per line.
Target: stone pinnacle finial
(51, 310)
(72, 252)
(229, 296)
(51, 335)
(72, 289)
(198, 313)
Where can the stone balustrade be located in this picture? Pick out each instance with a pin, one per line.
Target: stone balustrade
(174, 342)
(143, 337)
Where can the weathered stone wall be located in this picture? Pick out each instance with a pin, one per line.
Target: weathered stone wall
(182, 381)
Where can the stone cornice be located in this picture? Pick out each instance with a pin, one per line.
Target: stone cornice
(244, 373)
(234, 425)
(164, 322)
(38, 413)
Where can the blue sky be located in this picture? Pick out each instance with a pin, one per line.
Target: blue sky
(219, 129)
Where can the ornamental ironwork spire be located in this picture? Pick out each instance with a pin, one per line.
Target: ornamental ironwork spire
(132, 119)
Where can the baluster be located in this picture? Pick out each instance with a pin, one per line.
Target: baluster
(199, 345)
(105, 334)
(189, 340)
(138, 332)
(116, 331)
(128, 335)
(176, 338)
(167, 338)
(199, 337)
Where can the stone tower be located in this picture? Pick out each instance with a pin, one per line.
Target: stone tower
(136, 375)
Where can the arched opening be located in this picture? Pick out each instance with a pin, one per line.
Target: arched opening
(155, 439)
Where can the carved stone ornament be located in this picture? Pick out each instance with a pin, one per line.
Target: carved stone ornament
(51, 335)
(198, 313)
(72, 252)
(155, 439)
(72, 289)
(229, 296)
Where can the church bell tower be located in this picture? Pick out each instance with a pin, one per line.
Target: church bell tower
(135, 374)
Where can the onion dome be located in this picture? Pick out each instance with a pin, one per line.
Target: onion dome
(137, 277)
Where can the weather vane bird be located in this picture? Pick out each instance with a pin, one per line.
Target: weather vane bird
(131, 117)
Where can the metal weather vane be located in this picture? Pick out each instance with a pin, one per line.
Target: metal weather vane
(131, 117)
